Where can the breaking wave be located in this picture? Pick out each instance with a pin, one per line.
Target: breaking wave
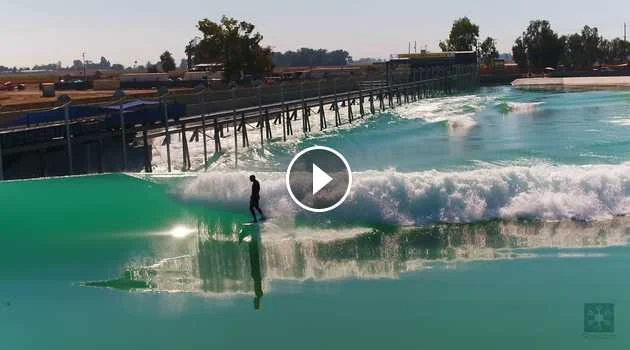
(542, 191)
(457, 112)
(518, 107)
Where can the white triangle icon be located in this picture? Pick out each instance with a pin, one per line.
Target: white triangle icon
(320, 179)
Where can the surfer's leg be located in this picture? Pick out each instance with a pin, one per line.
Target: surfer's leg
(257, 206)
(251, 209)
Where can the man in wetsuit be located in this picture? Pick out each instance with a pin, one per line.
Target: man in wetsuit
(255, 198)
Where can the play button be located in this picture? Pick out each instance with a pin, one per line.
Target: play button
(318, 179)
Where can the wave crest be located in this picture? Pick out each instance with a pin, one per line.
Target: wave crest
(542, 191)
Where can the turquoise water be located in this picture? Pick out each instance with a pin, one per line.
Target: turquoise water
(476, 221)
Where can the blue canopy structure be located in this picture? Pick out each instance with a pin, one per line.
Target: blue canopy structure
(135, 112)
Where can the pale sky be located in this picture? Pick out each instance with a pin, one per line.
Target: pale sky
(44, 31)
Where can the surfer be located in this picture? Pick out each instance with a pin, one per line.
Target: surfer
(255, 198)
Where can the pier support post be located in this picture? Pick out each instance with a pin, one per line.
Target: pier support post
(361, 110)
(261, 122)
(167, 136)
(322, 115)
(321, 111)
(335, 105)
(350, 115)
(203, 131)
(381, 101)
(205, 146)
(147, 154)
(235, 131)
(267, 125)
(371, 99)
(244, 137)
(287, 120)
(185, 153)
(217, 137)
(282, 116)
(306, 122)
(306, 112)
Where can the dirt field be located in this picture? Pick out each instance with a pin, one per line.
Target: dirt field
(32, 97)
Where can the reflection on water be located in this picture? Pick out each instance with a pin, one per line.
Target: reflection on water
(248, 261)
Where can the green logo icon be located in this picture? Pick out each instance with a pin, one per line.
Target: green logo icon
(599, 318)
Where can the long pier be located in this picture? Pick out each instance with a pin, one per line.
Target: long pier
(121, 141)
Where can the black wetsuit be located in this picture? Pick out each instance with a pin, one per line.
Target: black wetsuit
(255, 199)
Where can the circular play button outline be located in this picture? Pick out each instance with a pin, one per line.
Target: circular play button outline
(321, 148)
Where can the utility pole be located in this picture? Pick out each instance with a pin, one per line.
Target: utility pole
(415, 46)
(624, 31)
(84, 69)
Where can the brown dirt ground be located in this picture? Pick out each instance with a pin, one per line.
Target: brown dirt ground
(31, 98)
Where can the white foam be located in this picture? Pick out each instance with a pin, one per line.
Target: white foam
(458, 111)
(523, 107)
(540, 191)
(622, 121)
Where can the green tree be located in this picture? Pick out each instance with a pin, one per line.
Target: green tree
(311, 57)
(167, 61)
(519, 53)
(463, 36)
(104, 63)
(488, 51)
(614, 51)
(590, 46)
(573, 54)
(540, 44)
(190, 51)
(151, 68)
(234, 44)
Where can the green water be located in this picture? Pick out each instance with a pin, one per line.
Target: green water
(483, 221)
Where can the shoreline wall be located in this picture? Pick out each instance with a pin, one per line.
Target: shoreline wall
(573, 83)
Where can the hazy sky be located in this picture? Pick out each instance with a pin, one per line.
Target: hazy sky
(44, 31)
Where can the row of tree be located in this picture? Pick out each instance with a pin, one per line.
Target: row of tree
(166, 63)
(103, 64)
(540, 46)
(310, 57)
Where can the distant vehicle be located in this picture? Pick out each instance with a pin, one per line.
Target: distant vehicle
(7, 86)
(207, 67)
(205, 71)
